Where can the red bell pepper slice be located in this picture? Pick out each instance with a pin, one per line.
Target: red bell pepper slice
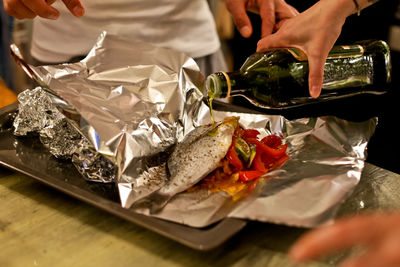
(246, 176)
(258, 163)
(250, 133)
(277, 164)
(272, 141)
(233, 157)
(268, 150)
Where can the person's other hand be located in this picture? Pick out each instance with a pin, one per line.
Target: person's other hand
(314, 31)
(28, 9)
(269, 10)
(378, 233)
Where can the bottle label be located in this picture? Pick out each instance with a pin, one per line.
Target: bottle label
(339, 51)
(348, 72)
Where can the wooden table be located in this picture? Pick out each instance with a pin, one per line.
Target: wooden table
(40, 226)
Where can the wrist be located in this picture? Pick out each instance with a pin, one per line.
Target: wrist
(339, 9)
(346, 7)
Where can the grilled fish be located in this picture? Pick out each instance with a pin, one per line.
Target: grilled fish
(194, 158)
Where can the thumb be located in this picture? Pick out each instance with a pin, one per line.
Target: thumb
(316, 74)
(270, 41)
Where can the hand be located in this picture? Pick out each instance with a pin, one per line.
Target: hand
(314, 31)
(378, 233)
(269, 10)
(28, 9)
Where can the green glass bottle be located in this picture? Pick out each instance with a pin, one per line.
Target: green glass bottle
(278, 78)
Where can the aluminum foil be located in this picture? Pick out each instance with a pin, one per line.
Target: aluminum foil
(38, 114)
(130, 102)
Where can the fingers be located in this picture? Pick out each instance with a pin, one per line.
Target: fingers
(316, 61)
(22, 9)
(383, 252)
(237, 9)
(316, 65)
(270, 41)
(341, 235)
(75, 7)
(285, 11)
(267, 14)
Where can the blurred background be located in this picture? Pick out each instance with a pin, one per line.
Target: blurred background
(380, 21)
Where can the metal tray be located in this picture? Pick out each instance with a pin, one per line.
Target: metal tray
(28, 156)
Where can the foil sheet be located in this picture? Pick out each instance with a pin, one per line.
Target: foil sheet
(38, 114)
(124, 106)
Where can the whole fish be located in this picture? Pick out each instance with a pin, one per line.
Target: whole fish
(194, 158)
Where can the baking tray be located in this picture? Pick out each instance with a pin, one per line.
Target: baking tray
(28, 156)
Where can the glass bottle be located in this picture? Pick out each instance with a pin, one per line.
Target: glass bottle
(278, 78)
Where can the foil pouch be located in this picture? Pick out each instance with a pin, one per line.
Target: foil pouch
(118, 113)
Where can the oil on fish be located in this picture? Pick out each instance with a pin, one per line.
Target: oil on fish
(194, 158)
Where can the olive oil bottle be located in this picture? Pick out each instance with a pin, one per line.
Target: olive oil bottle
(278, 78)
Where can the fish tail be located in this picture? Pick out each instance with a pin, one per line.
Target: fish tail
(158, 202)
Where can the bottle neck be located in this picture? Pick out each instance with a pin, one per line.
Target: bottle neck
(222, 84)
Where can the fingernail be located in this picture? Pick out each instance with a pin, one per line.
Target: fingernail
(78, 11)
(258, 46)
(315, 91)
(245, 31)
(53, 16)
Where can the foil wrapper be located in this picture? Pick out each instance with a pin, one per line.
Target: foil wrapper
(118, 113)
(38, 114)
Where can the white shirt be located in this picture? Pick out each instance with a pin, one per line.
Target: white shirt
(183, 25)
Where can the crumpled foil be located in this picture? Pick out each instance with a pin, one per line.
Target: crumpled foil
(38, 114)
(119, 112)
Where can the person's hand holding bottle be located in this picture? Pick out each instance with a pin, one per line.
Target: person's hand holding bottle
(29, 9)
(314, 31)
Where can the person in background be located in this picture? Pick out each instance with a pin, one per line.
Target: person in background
(65, 31)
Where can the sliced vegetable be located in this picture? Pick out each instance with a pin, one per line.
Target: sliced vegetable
(277, 164)
(246, 176)
(242, 148)
(272, 141)
(233, 158)
(253, 151)
(258, 163)
(249, 133)
(269, 150)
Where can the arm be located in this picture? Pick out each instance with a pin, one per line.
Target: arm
(269, 11)
(378, 233)
(28, 9)
(314, 31)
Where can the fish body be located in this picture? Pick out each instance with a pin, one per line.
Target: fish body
(194, 158)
